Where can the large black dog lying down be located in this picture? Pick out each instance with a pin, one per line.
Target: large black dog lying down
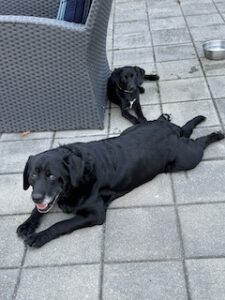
(85, 177)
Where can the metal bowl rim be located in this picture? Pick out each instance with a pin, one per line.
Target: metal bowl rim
(207, 45)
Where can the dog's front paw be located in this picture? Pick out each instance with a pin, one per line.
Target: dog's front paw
(37, 240)
(25, 229)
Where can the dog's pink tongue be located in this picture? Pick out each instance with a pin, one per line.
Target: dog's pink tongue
(41, 206)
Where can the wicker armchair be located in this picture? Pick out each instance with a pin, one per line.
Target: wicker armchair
(53, 74)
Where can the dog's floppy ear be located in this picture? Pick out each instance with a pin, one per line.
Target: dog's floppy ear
(81, 170)
(140, 75)
(26, 174)
(75, 166)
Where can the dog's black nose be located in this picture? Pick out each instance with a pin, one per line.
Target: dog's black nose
(37, 197)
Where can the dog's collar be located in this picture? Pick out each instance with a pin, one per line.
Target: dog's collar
(125, 91)
(132, 102)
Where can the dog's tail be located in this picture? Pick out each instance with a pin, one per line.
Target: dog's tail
(151, 77)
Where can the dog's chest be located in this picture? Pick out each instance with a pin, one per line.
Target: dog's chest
(129, 102)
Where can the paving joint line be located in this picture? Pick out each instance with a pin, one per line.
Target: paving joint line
(150, 206)
(102, 263)
(221, 15)
(19, 275)
(110, 262)
(154, 56)
(154, 260)
(179, 229)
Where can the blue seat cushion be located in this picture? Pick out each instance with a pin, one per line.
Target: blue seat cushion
(77, 11)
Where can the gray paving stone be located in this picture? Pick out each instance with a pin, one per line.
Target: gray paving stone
(221, 107)
(206, 279)
(164, 11)
(69, 282)
(220, 5)
(213, 67)
(178, 70)
(118, 123)
(198, 8)
(141, 234)
(14, 199)
(193, 1)
(30, 136)
(160, 4)
(155, 281)
(124, 6)
(184, 89)
(170, 36)
(80, 246)
(203, 20)
(167, 23)
(202, 184)
(182, 112)
(203, 229)
(131, 1)
(110, 57)
(215, 150)
(130, 14)
(133, 56)
(216, 85)
(85, 132)
(150, 193)
(132, 40)
(82, 139)
(109, 42)
(204, 33)
(130, 27)
(16, 153)
(11, 247)
(8, 280)
(199, 49)
(151, 95)
(174, 52)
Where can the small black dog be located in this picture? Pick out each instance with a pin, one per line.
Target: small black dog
(84, 178)
(124, 88)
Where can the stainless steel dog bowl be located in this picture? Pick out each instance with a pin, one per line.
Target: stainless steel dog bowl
(214, 49)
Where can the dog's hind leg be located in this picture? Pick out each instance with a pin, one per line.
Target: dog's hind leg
(187, 129)
(205, 141)
(189, 152)
(141, 89)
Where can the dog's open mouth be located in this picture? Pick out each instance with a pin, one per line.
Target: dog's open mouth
(45, 207)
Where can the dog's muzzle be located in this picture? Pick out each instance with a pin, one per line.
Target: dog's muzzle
(45, 206)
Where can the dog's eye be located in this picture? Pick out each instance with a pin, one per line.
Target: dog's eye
(126, 77)
(52, 177)
(34, 176)
(131, 75)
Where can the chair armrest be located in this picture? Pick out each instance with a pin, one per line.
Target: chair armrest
(28, 20)
(37, 8)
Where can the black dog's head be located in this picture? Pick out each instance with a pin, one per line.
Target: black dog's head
(50, 174)
(128, 78)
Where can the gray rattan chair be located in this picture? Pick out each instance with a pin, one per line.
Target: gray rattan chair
(53, 74)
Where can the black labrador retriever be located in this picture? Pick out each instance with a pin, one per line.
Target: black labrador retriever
(124, 88)
(85, 177)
